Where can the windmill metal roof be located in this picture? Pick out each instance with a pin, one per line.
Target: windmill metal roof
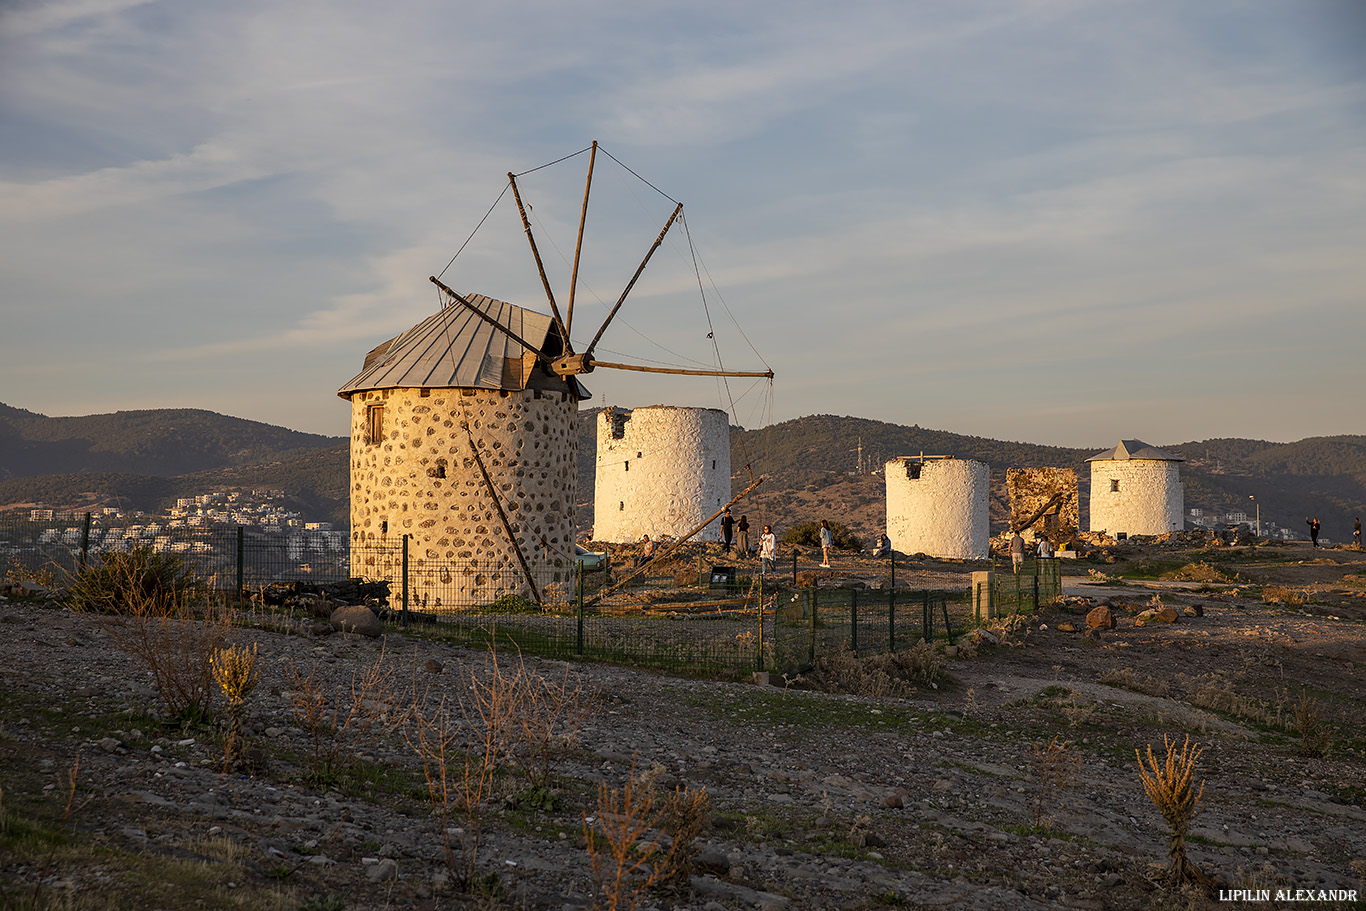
(1135, 449)
(454, 348)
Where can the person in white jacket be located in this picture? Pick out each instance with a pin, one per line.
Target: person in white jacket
(768, 551)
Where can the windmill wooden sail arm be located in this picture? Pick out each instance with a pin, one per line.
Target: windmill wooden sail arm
(540, 266)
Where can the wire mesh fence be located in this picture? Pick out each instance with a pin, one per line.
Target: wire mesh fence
(705, 616)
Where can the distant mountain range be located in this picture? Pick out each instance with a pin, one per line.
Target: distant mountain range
(146, 459)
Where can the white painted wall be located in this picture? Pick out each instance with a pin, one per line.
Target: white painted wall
(661, 470)
(1150, 499)
(944, 512)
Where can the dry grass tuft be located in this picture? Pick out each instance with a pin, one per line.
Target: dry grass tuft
(1316, 736)
(1055, 766)
(895, 674)
(237, 673)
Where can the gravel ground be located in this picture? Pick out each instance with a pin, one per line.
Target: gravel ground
(819, 800)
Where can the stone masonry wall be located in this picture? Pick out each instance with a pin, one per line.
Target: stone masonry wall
(944, 512)
(1030, 489)
(1149, 501)
(661, 470)
(421, 480)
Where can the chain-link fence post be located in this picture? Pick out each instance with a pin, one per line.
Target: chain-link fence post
(403, 584)
(241, 560)
(85, 542)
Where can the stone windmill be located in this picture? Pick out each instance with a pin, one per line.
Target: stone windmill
(464, 439)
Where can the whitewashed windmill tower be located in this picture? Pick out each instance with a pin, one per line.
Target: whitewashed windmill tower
(1136, 490)
(661, 470)
(464, 439)
(938, 505)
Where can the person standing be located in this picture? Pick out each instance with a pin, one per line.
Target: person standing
(727, 528)
(1313, 529)
(742, 539)
(1045, 548)
(1017, 549)
(1356, 531)
(768, 551)
(647, 551)
(827, 541)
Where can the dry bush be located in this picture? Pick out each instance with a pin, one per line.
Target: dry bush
(1281, 594)
(549, 714)
(140, 579)
(1126, 679)
(1011, 630)
(1316, 737)
(331, 718)
(1076, 711)
(237, 673)
(1215, 692)
(1054, 766)
(176, 641)
(1170, 785)
(1198, 572)
(634, 845)
(894, 674)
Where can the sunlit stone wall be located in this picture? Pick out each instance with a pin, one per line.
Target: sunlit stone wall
(420, 479)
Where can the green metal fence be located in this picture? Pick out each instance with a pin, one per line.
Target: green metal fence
(708, 617)
(1038, 583)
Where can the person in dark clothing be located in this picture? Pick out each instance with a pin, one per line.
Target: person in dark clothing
(742, 538)
(727, 527)
(1356, 532)
(1313, 529)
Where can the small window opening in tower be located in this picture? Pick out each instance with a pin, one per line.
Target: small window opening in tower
(374, 423)
(384, 527)
(640, 455)
(621, 506)
(424, 393)
(628, 464)
(713, 464)
(1114, 485)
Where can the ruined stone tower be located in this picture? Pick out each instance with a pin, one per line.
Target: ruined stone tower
(426, 409)
(661, 471)
(1136, 490)
(938, 506)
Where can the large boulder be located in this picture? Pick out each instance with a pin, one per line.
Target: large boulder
(1100, 618)
(357, 619)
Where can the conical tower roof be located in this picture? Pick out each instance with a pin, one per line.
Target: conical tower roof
(454, 348)
(1135, 449)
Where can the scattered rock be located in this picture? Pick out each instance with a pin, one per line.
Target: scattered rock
(433, 666)
(1194, 610)
(1100, 618)
(357, 619)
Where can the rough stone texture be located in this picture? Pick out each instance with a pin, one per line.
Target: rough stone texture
(1030, 489)
(421, 480)
(939, 507)
(1100, 618)
(1149, 501)
(357, 619)
(661, 471)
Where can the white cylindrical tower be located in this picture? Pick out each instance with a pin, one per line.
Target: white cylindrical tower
(661, 470)
(939, 507)
(1136, 490)
(428, 408)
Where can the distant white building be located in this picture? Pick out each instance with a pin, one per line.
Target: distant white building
(1136, 490)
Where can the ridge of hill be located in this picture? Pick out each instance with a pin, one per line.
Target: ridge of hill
(147, 459)
(161, 442)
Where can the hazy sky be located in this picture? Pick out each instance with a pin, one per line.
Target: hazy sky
(1058, 221)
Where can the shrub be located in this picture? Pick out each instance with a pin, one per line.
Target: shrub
(808, 534)
(1171, 787)
(140, 579)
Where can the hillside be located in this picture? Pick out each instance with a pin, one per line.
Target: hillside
(812, 464)
(158, 442)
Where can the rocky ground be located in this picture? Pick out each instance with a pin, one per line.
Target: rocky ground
(818, 799)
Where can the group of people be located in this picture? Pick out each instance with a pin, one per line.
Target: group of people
(768, 543)
(1017, 550)
(1314, 530)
